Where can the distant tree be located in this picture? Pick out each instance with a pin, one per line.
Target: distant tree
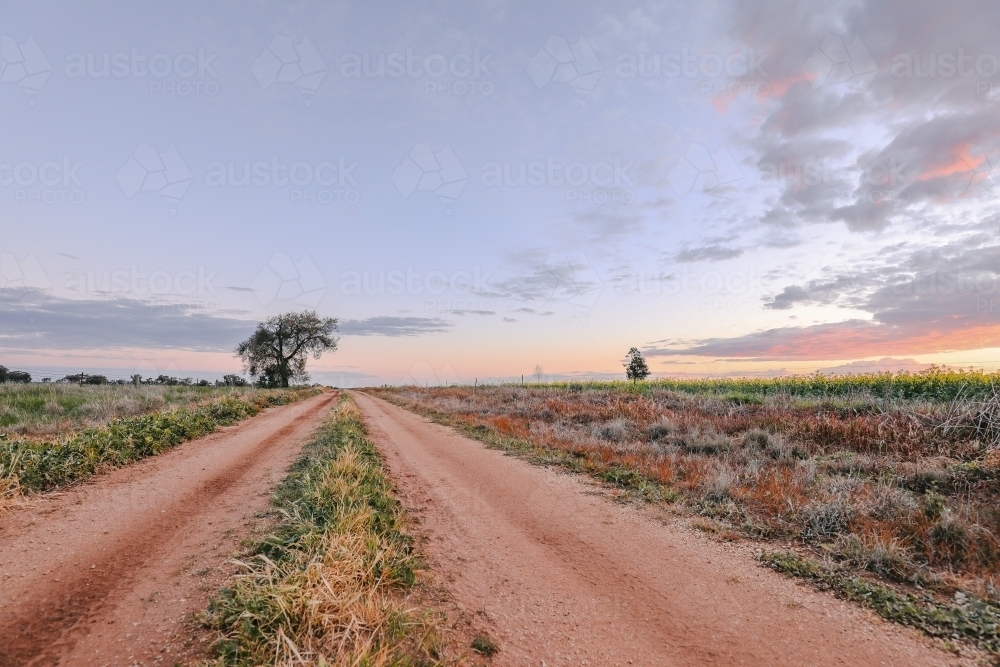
(539, 373)
(18, 376)
(136, 380)
(635, 367)
(276, 353)
(83, 378)
(233, 380)
(3, 374)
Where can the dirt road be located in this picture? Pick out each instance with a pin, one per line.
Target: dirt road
(564, 576)
(108, 572)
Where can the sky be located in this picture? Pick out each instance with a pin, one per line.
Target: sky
(479, 189)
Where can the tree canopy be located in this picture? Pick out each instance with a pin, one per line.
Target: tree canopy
(635, 366)
(276, 353)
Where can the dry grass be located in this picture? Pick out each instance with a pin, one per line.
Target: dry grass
(908, 490)
(329, 588)
(47, 411)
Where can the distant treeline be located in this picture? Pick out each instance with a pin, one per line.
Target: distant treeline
(137, 380)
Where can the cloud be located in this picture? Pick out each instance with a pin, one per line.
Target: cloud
(789, 296)
(394, 326)
(710, 253)
(919, 135)
(927, 300)
(473, 312)
(842, 340)
(55, 323)
(551, 278)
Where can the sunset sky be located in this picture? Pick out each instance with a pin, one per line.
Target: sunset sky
(474, 189)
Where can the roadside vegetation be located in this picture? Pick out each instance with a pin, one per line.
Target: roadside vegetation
(29, 465)
(330, 585)
(44, 411)
(887, 487)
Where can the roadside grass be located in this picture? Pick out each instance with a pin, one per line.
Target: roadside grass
(48, 411)
(29, 466)
(329, 586)
(900, 494)
(965, 617)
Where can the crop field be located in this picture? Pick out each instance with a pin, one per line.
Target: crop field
(886, 479)
(44, 411)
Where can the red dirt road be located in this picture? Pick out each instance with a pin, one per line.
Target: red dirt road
(108, 572)
(563, 576)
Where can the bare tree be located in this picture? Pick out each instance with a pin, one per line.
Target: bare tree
(539, 373)
(276, 353)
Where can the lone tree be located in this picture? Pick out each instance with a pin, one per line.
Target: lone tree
(276, 352)
(635, 367)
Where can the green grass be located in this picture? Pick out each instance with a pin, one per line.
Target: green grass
(28, 466)
(967, 618)
(329, 584)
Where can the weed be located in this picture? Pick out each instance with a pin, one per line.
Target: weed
(968, 617)
(484, 646)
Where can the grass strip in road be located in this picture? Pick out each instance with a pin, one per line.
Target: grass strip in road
(29, 466)
(968, 618)
(328, 587)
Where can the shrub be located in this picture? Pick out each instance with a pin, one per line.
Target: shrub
(826, 520)
(662, 428)
(615, 430)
